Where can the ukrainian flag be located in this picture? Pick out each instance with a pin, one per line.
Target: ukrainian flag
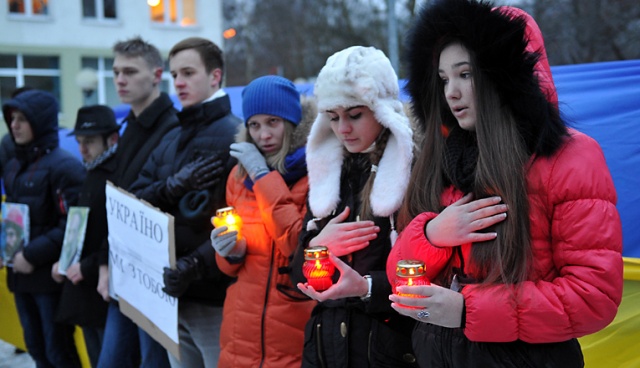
(603, 101)
(617, 345)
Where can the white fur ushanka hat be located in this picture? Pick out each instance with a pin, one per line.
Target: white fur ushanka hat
(358, 76)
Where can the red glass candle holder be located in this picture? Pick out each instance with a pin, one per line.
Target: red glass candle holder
(317, 267)
(228, 217)
(410, 273)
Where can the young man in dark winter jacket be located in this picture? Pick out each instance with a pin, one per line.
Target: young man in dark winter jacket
(96, 131)
(137, 72)
(186, 177)
(47, 179)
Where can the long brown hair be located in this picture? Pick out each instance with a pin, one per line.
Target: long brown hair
(500, 170)
(374, 157)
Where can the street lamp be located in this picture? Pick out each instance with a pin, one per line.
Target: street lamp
(87, 80)
(229, 33)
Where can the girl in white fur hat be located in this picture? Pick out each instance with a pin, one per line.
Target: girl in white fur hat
(359, 154)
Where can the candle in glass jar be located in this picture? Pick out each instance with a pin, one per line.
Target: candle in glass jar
(317, 267)
(410, 273)
(228, 217)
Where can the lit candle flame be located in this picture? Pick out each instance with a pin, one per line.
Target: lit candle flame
(231, 220)
(317, 268)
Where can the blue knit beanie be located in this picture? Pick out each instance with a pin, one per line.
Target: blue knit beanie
(272, 95)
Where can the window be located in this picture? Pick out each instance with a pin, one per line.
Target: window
(29, 7)
(106, 93)
(41, 72)
(99, 9)
(175, 12)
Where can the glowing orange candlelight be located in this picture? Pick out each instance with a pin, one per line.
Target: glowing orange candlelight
(228, 217)
(317, 267)
(410, 273)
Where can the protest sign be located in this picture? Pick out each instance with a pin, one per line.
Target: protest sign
(73, 238)
(141, 244)
(15, 230)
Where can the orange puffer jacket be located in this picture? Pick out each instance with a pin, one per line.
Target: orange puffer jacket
(263, 326)
(575, 286)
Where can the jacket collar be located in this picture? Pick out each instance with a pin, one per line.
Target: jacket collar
(38, 148)
(152, 113)
(204, 113)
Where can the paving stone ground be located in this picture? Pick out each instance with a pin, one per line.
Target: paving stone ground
(9, 359)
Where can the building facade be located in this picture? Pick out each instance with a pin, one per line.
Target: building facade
(64, 46)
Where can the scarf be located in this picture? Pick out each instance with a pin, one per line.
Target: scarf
(195, 205)
(460, 159)
(102, 158)
(295, 166)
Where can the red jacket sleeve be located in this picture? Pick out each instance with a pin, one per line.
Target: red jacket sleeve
(576, 283)
(412, 243)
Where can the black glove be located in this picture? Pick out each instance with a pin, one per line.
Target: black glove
(177, 281)
(200, 174)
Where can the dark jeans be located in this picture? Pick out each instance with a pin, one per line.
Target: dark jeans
(126, 345)
(50, 344)
(199, 334)
(93, 343)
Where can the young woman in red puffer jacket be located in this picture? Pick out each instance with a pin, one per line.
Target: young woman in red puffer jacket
(513, 214)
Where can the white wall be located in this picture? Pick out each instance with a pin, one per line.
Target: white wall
(64, 33)
(65, 26)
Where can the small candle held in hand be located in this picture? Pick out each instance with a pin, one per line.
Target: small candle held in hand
(317, 267)
(410, 273)
(228, 217)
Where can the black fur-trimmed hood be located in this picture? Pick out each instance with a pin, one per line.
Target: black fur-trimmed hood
(509, 51)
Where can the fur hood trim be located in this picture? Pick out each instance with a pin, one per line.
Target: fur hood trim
(509, 51)
(358, 76)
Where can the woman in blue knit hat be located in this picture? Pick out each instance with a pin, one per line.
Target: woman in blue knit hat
(264, 318)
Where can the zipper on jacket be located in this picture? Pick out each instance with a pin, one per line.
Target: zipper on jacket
(319, 347)
(369, 347)
(264, 306)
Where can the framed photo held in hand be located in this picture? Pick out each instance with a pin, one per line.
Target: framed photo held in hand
(15, 230)
(73, 238)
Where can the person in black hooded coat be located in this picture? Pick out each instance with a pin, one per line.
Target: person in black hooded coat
(47, 179)
(512, 212)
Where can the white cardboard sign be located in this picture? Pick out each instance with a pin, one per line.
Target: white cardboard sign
(141, 244)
